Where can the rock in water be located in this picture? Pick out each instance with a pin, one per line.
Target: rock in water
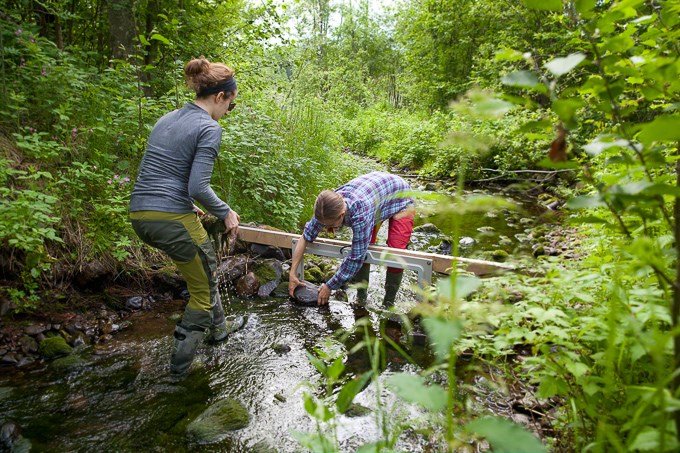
(307, 294)
(211, 425)
(269, 275)
(247, 285)
(266, 289)
(232, 268)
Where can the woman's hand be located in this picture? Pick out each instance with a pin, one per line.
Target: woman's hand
(231, 222)
(199, 211)
(324, 295)
(293, 282)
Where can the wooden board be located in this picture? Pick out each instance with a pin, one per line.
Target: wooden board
(440, 263)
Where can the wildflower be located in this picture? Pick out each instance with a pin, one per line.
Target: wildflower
(44, 73)
(18, 32)
(127, 179)
(32, 39)
(109, 181)
(94, 167)
(115, 176)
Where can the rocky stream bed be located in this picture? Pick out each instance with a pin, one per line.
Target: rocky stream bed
(76, 380)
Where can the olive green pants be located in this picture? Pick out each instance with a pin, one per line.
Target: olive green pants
(187, 243)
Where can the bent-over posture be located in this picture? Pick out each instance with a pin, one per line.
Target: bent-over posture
(362, 204)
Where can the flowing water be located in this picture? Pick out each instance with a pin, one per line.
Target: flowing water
(119, 397)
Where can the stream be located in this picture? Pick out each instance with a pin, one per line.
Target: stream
(118, 396)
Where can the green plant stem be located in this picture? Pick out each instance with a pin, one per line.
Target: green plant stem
(451, 398)
(675, 308)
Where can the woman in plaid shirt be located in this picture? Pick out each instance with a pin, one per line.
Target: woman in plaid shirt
(362, 204)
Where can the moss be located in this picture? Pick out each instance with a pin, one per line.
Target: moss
(314, 275)
(357, 410)
(265, 273)
(70, 361)
(499, 255)
(225, 415)
(53, 347)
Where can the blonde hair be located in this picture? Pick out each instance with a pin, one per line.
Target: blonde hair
(328, 206)
(201, 73)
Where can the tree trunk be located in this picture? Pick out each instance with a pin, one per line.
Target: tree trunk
(122, 29)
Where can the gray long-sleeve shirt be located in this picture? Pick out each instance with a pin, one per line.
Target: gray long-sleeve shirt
(178, 163)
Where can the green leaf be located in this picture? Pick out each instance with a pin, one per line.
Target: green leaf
(316, 409)
(492, 107)
(350, 390)
(441, 334)
(507, 54)
(585, 6)
(647, 440)
(662, 189)
(465, 285)
(585, 201)
(578, 369)
(412, 388)
(313, 441)
(566, 110)
(524, 79)
(318, 363)
(143, 40)
(600, 144)
(336, 368)
(551, 386)
(662, 128)
(545, 5)
(161, 38)
(505, 436)
(561, 66)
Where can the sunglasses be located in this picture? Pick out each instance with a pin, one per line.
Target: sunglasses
(232, 106)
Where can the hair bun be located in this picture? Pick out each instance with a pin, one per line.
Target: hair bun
(196, 66)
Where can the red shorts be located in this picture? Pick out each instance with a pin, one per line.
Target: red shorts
(398, 235)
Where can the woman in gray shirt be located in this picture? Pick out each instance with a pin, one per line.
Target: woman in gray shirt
(176, 170)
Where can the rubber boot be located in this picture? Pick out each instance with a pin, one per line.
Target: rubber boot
(220, 328)
(392, 283)
(362, 278)
(184, 349)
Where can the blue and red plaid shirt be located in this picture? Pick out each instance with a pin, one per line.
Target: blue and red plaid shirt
(371, 199)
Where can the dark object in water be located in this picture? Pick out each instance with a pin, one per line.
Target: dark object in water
(232, 268)
(267, 251)
(306, 295)
(266, 267)
(247, 285)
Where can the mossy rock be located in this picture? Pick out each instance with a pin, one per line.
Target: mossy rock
(70, 361)
(357, 410)
(211, 425)
(499, 255)
(266, 272)
(315, 275)
(281, 291)
(53, 347)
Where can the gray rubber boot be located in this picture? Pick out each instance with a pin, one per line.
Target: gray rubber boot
(220, 328)
(392, 284)
(184, 349)
(362, 277)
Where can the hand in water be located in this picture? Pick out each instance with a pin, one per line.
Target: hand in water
(293, 282)
(324, 295)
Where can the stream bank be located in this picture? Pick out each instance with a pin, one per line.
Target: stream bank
(125, 342)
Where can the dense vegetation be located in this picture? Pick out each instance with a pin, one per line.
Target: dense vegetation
(587, 85)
